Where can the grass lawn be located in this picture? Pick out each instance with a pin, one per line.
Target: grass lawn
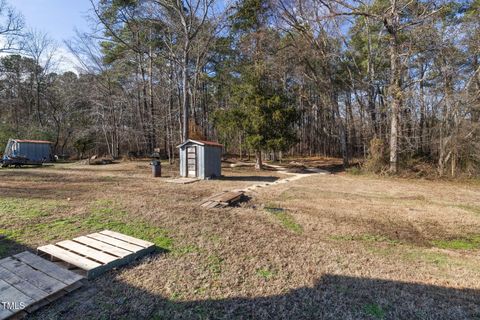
(324, 247)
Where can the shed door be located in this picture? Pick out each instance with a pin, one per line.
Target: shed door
(192, 161)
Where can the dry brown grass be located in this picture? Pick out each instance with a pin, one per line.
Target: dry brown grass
(360, 247)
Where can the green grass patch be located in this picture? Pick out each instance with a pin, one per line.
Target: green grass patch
(106, 215)
(214, 264)
(407, 254)
(102, 214)
(181, 251)
(288, 222)
(436, 258)
(265, 273)
(26, 208)
(472, 209)
(374, 310)
(175, 296)
(468, 243)
(354, 171)
(285, 219)
(200, 291)
(57, 229)
(365, 238)
(26, 219)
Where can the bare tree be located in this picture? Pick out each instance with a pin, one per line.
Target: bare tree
(41, 49)
(11, 26)
(185, 19)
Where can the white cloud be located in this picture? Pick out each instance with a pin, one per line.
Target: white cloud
(65, 60)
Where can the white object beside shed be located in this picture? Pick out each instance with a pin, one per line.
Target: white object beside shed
(200, 159)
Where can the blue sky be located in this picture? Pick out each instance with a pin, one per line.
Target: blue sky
(58, 18)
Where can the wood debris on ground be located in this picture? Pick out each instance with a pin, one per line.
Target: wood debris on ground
(96, 160)
(222, 200)
(182, 180)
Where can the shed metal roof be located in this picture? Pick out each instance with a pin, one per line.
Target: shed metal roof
(31, 141)
(202, 143)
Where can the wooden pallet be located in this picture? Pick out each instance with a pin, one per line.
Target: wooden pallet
(28, 282)
(97, 253)
(221, 200)
(183, 180)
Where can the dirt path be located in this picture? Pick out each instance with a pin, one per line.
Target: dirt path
(293, 176)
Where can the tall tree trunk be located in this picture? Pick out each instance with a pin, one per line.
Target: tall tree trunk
(258, 160)
(185, 96)
(341, 132)
(153, 131)
(395, 90)
(146, 110)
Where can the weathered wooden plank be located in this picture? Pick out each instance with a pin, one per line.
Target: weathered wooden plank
(54, 296)
(230, 196)
(83, 250)
(226, 195)
(222, 199)
(99, 245)
(22, 284)
(206, 204)
(48, 267)
(74, 286)
(215, 196)
(11, 295)
(213, 204)
(35, 277)
(183, 180)
(124, 237)
(27, 285)
(115, 242)
(70, 257)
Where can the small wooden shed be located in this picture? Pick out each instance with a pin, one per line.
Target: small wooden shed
(200, 159)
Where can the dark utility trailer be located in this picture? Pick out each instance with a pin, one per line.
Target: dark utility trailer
(27, 152)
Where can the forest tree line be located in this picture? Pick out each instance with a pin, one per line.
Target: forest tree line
(394, 82)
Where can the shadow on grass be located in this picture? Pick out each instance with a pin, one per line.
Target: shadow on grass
(332, 297)
(9, 247)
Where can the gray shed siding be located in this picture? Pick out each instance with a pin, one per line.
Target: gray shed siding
(183, 156)
(200, 161)
(209, 160)
(213, 161)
